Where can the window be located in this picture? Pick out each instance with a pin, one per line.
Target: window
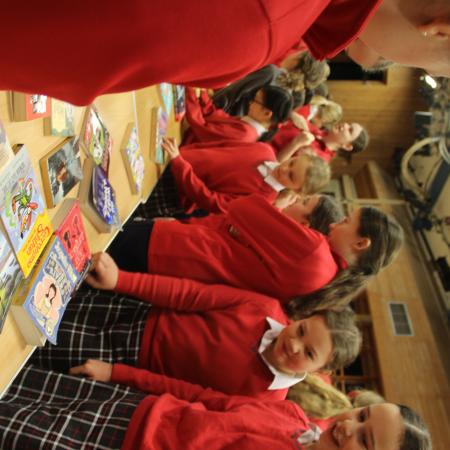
(400, 319)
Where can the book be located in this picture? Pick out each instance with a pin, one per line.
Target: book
(97, 198)
(69, 227)
(158, 131)
(61, 171)
(29, 106)
(61, 121)
(10, 277)
(22, 211)
(179, 102)
(41, 299)
(166, 96)
(133, 158)
(95, 138)
(6, 152)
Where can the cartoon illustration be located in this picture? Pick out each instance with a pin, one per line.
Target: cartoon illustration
(38, 103)
(22, 205)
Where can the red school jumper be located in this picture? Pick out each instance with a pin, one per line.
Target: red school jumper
(208, 123)
(205, 334)
(188, 417)
(107, 46)
(209, 176)
(266, 252)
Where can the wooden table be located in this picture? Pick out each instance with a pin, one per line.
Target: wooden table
(117, 111)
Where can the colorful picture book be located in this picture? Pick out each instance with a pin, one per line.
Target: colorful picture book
(61, 121)
(10, 277)
(97, 198)
(41, 299)
(22, 211)
(158, 131)
(29, 106)
(133, 158)
(96, 139)
(6, 152)
(166, 95)
(179, 102)
(61, 171)
(69, 227)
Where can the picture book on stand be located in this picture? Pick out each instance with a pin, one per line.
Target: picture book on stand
(166, 95)
(22, 211)
(6, 152)
(10, 277)
(41, 299)
(158, 131)
(62, 119)
(133, 158)
(69, 227)
(29, 106)
(61, 171)
(179, 102)
(96, 139)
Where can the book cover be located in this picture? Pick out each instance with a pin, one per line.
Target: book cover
(96, 139)
(61, 121)
(69, 227)
(30, 106)
(133, 158)
(159, 129)
(41, 300)
(10, 277)
(166, 95)
(179, 102)
(61, 171)
(6, 152)
(22, 211)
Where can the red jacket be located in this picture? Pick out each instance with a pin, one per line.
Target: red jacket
(273, 254)
(77, 50)
(208, 123)
(209, 176)
(205, 334)
(187, 417)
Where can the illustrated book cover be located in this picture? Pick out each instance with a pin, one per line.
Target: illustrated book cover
(158, 131)
(166, 96)
(133, 158)
(61, 121)
(179, 102)
(29, 106)
(61, 171)
(41, 299)
(6, 152)
(22, 211)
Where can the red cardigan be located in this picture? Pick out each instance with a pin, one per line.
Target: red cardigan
(107, 46)
(205, 334)
(209, 176)
(186, 416)
(208, 123)
(273, 255)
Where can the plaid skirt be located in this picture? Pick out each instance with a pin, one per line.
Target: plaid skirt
(99, 325)
(45, 410)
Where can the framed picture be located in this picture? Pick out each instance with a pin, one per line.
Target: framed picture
(61, 171)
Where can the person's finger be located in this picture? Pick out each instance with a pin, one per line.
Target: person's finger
(92, 281)
(78, 370)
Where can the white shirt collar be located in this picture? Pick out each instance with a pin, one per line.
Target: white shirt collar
(310, 436)
(281, 380)
(265, 169)
(260, 129)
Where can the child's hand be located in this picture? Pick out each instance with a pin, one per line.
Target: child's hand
(304, 138)
(286, 198)
(94, 370)
(104, 272)
(299, 121)
(170, 147)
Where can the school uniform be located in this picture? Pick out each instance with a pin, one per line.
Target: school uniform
(254, 246)
(135, 44)
(147, 411)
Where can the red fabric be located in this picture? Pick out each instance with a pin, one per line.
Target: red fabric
(199, 333)
(207, 123)
(273, 254)
(209, 176)
(81, 49)
(189, 417)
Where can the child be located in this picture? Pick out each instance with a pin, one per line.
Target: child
(255, 246)
(269, 106)
(209, 178)
(49, 410)
(319, 113)
(198, 333)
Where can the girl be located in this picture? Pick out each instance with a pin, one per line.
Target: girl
(49, 410)
(269, 106)
(319, 113)
(198, 333)
(255, 246)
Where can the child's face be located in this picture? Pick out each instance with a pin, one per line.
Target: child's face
(256, 109)
(303, 346)
(292, 172)
(302, 209)
(343, 134)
